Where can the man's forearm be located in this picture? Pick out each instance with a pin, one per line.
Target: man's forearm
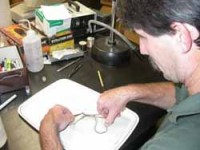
(161, 94)
(49, 137)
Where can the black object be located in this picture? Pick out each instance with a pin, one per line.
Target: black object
(81, 16)
(111, 50)
(77, 7)
(110, 54)
(75, 69)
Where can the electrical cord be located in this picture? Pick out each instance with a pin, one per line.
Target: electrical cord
(113, 30)
(134, 48)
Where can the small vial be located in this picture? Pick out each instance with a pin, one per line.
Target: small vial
(83, 45)
(90, 42)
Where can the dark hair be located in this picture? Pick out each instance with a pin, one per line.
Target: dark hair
(156, 16)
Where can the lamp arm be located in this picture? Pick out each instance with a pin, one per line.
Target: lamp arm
(113, 30)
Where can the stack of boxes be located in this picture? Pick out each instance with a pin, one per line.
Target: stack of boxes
(59, 35)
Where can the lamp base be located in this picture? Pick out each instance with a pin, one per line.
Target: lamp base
(110, 54)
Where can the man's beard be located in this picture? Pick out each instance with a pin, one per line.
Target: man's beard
(166, 76)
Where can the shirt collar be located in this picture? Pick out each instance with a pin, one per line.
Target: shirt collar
(189, 106)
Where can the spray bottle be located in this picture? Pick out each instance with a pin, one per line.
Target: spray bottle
(32, 50)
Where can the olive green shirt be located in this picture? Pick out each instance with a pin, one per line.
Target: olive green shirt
(180, 129)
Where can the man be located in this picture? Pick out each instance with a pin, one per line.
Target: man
(169, 33)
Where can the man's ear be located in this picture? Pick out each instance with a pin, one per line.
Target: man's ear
(185, 34)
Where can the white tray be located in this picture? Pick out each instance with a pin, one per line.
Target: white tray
(78, 98)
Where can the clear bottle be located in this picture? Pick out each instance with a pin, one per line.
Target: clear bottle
(33, 51)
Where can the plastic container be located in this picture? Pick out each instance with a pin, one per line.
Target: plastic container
(3, 136)
(33, 51)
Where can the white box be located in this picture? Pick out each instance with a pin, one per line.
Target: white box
(51, 27)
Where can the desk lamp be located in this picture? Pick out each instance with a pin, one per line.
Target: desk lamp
(111, 50)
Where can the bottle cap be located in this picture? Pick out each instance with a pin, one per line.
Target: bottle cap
(30, 33)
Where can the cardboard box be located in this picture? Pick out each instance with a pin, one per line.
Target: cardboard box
(14, 77)
(51, 27)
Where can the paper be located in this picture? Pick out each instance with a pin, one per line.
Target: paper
(61, 53)
(78, 98)
(55, 12)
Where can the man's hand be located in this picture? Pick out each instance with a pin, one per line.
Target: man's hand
(56, 120)
(111, 103)
(60, 116)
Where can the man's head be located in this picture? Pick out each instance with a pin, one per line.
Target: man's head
(168, 29)
(156, 16)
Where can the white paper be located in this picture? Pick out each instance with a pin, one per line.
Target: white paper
(61, 53)
(78, 98)
(55, 12)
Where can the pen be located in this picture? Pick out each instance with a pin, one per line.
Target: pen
(67, 65)
(100, 78)
(75, 69)
(8, 101)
